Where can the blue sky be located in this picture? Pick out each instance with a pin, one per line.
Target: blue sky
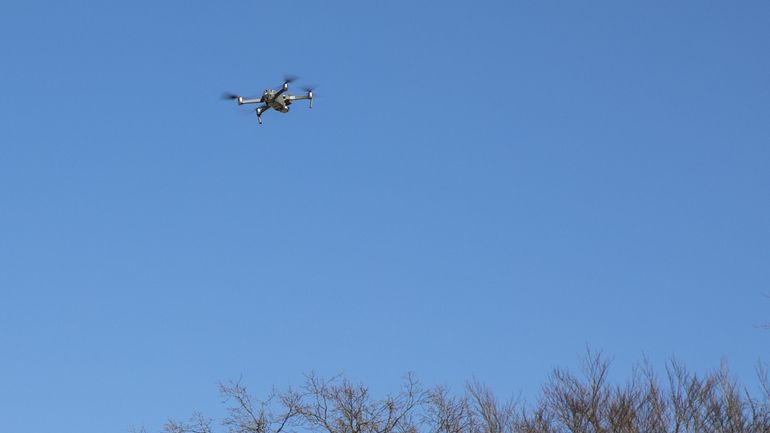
(482, 189)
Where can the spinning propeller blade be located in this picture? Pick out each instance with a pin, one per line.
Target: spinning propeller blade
(287, 79)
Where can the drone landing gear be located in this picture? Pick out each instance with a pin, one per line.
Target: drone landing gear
(259, 111)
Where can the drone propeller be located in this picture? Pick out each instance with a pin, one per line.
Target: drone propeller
(229, 96)
(287, 79)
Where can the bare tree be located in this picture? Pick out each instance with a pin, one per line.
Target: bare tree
(271, 415)
(580, 405)
(339, 406)
(197, 424)
(683, 402)
(445, 413)
(489, 414)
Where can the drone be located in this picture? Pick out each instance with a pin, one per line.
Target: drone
(277, 99)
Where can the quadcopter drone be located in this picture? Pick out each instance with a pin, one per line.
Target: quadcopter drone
(278, 99)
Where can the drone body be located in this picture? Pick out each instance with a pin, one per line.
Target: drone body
(279, 100)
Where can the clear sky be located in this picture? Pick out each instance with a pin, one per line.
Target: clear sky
(482, 189)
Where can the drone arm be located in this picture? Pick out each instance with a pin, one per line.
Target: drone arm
(259, 111)
(242, 101)
(299, 97)
(283, 88)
